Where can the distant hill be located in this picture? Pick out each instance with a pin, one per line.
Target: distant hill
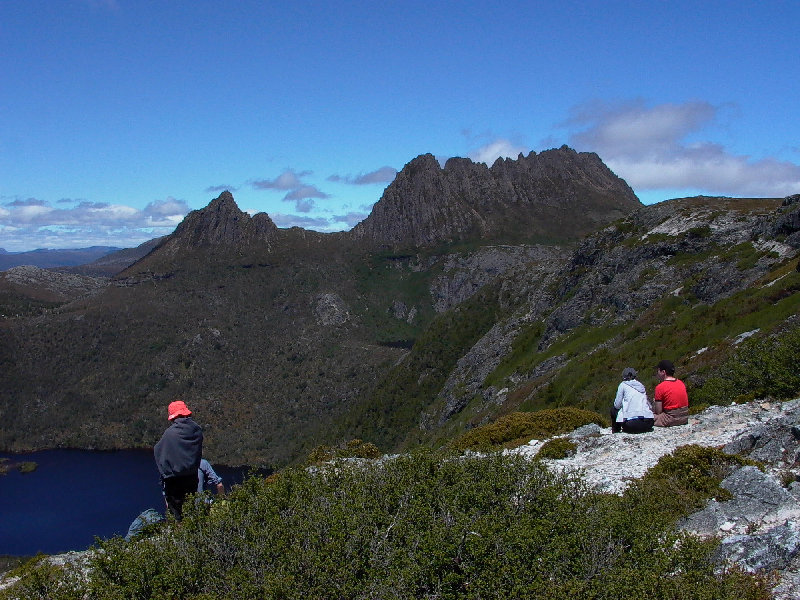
(46, 259)
(112, 263)
(468, 293)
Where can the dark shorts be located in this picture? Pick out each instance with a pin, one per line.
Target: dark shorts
(175, 491)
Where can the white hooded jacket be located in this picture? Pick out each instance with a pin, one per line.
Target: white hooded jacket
(631, 401)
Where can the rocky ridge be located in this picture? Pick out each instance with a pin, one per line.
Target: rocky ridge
(758, 527)
(550, 194)
(52, 286)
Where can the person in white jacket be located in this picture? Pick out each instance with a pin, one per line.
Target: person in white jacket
(631, 412)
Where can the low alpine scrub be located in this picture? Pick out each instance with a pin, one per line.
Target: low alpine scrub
(416, 526)
(557, 448)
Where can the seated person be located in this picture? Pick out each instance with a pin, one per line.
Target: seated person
(671, 404)
(631, 412)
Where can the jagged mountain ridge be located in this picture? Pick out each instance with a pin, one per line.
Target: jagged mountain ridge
(541, 195)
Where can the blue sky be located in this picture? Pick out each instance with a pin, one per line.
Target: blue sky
(117, 117)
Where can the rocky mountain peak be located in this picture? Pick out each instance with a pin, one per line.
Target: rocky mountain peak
(221, 224)
(558, 190)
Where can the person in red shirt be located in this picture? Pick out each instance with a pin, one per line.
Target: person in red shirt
(671, 402)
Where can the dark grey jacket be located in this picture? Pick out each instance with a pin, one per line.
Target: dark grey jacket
(180, 449)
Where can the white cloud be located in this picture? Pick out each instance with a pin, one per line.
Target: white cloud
(32, 223)
(648, 147)
(382, 175)
(315, 223)
(217, 189)
(297, 191)
(288, 180)
(351, 218)
(499, 148)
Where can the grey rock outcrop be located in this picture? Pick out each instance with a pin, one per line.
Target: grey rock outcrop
(330, 309)
(758, 501)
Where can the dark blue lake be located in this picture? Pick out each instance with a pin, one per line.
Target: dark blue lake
(75, 495)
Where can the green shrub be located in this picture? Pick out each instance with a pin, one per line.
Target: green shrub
(760, 367)
(557, 448)
(40, 579)
(418, 526)
(353, 449)
(520, 427)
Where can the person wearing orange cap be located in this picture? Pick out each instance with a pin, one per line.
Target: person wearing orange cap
(178, 454)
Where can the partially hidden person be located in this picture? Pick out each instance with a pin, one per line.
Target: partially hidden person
(178, 454)
(631, 412)
(207, 479)
(148, 517)
(671, 402)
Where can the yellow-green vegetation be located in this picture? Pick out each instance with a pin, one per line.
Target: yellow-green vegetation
(27, 467)
(3, 466)
(419, 526)
(353, 449)
(521, 427)
(557, 448)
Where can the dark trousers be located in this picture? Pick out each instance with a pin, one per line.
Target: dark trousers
(175, 491)
(637, 426)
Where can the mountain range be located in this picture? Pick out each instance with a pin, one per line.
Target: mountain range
(47, 258)
(469, 292)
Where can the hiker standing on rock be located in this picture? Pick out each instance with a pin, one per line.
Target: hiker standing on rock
(631, 411)
(671, 405)
(178, 454)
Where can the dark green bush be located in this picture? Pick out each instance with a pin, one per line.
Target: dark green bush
(759, 368)
(520, 427)
(557, 448)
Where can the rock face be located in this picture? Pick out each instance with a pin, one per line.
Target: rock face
(548, 194)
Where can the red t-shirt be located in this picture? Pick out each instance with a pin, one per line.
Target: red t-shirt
(672, 394)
